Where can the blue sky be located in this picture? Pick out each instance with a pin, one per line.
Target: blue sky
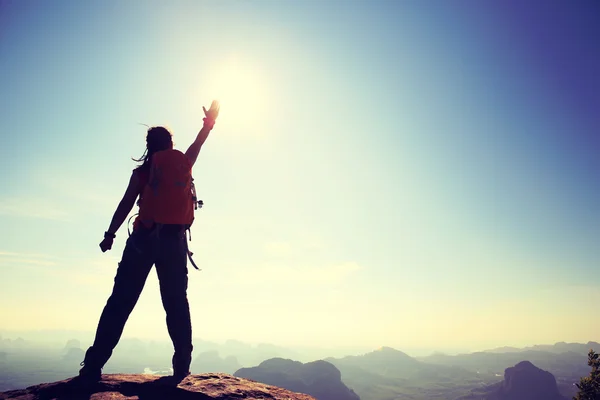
(410, 174)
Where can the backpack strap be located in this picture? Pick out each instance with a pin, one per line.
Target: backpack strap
(187, 249)
(128, 221)
(197, 204)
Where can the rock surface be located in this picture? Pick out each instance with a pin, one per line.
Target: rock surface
(154, 387)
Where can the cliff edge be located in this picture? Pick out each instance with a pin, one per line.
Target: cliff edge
(154, 387)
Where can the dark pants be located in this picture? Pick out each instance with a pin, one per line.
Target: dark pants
(166, 248)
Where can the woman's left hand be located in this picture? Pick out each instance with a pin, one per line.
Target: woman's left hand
(106, 244)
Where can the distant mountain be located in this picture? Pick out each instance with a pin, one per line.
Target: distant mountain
(248, 354)
(72, 344)
(504, 349)
(386, 362)
(388, 373)
(524, 381)
(73, 355)
(392, 363)
(209, 361)
(559, 347)
(564, 365)
(17, 344)
(319, 379)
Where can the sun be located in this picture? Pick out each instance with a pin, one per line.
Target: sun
(242, 93)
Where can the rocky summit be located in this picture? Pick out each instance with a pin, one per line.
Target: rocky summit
(154, 387)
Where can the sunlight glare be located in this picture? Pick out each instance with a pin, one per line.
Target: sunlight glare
(241, 92)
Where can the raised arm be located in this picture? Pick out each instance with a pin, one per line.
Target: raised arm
(209, 122)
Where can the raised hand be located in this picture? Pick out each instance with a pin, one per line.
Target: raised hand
(212, 113)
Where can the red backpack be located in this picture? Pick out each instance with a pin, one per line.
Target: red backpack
(169, 196)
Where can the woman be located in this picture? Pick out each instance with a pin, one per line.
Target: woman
(141, 252)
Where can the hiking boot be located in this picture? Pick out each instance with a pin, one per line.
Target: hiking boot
(181, 374)
(92, 370)
(181, 366)
(89, 373)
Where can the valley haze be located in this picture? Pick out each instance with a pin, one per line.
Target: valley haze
(374, 374)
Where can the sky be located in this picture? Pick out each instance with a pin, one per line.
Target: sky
(383, 173)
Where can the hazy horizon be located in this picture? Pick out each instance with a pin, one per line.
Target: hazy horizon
(27, 363)
(382, 173)
(60, 338)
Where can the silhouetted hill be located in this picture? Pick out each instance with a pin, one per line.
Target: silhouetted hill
(318, 378)
(524, 381)
(152, 387)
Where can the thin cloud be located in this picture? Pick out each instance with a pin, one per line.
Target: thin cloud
(320, 274)
(278, 248)
(78, 189)
(8, 258)
(30, 261)
(66, 196)
(4, 253)
(289, 249)
(77, 270)
(32, 208)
